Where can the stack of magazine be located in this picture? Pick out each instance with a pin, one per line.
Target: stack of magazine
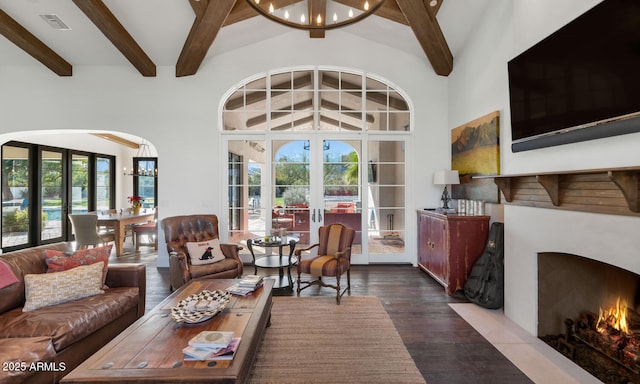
(211, 345)
(246, 285)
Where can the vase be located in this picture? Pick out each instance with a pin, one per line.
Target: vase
(136, 209)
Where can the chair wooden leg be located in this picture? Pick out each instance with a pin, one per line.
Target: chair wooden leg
(338, 289)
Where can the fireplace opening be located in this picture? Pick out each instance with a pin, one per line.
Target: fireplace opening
(588, 311)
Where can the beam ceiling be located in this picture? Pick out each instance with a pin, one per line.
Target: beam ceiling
(109, 25)
(26, 41)
(203, 32)
(211, 15)
(429, 35)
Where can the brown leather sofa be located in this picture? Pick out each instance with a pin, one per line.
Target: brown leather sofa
(43, 345)
(180, 230)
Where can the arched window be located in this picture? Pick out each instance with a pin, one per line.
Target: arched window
(315, 99)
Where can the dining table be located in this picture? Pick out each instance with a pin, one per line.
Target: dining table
(120, 220)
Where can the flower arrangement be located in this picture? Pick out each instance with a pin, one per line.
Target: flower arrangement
(135, 201)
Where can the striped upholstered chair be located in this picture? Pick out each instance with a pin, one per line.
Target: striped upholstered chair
(332, 260)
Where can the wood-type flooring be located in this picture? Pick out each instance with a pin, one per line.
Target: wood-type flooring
(445, 348)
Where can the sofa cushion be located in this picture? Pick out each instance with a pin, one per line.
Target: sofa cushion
(45, 289)
(7, 277)
(69, 322)
(23, 262)
(205, 252)
(23, 350)
(58, 261)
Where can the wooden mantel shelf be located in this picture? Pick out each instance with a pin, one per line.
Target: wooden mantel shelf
(608, 190)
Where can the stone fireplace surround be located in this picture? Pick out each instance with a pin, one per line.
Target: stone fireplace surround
(612, 239)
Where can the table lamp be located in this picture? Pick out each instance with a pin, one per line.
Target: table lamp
(445, 177)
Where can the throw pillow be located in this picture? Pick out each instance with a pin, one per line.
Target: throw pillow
(7, 277)
(45, 289)
(58, 261)
(205, 252)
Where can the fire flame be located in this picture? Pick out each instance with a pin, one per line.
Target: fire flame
(616, 317)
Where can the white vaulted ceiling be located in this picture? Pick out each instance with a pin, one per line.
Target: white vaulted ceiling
(159, 31)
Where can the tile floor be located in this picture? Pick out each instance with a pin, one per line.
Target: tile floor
(532, 356)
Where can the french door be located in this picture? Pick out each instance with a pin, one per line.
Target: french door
(41, 185)
(292, 184)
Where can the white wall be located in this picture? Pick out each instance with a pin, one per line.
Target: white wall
(180, 115)
(479, 85)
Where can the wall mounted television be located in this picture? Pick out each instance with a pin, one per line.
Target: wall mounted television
(580, 83)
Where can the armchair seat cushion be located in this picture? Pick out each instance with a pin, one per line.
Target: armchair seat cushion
(214, 268)
(323, 266)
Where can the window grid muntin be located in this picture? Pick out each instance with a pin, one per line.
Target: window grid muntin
(273, 84)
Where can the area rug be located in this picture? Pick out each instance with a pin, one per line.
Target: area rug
(313, 340)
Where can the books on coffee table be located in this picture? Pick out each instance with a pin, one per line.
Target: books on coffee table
(246, 285)
(192, 353)
(250, 281)
(211, 339)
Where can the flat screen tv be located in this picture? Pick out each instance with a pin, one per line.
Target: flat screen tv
(580, 83)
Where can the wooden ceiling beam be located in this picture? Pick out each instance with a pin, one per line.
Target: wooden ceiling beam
(429, 35)
(240, 12)
(109, 25)
(199, 6)
(317, 16)
(391, 11)
(26, 41)
(117, 139)
(203, 32)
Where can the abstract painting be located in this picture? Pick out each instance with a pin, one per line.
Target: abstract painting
(475, 150)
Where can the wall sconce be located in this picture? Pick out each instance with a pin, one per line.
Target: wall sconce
(445, 177)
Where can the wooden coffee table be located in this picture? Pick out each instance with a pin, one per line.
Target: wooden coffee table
(150, 350)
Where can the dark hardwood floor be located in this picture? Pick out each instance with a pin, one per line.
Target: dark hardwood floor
(444, 347)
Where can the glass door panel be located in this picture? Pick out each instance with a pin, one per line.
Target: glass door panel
(341, 186)
(386, 208)
(79, 183)
(104, 187)
(53, 207)
(15, 196)
(291, 191)
(247, 192)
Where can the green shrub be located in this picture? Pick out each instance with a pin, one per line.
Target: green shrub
(295, 195)
(18, 221)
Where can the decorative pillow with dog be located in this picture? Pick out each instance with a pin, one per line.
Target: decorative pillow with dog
(46, 289)
(58, 261)
(205, 252)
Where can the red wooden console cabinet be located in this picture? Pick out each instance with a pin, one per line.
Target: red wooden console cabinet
(449, 245)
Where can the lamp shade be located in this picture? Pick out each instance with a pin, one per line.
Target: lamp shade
(445, 177)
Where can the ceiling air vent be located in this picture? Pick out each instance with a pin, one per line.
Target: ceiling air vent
(54, 21)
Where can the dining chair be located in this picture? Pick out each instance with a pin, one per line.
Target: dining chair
(85, 230)
(150, 230)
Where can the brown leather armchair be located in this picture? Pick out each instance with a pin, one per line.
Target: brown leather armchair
(180, 230)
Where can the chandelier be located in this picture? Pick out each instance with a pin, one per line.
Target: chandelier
(315, 14)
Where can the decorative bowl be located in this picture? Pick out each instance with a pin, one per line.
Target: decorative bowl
(200, 307)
